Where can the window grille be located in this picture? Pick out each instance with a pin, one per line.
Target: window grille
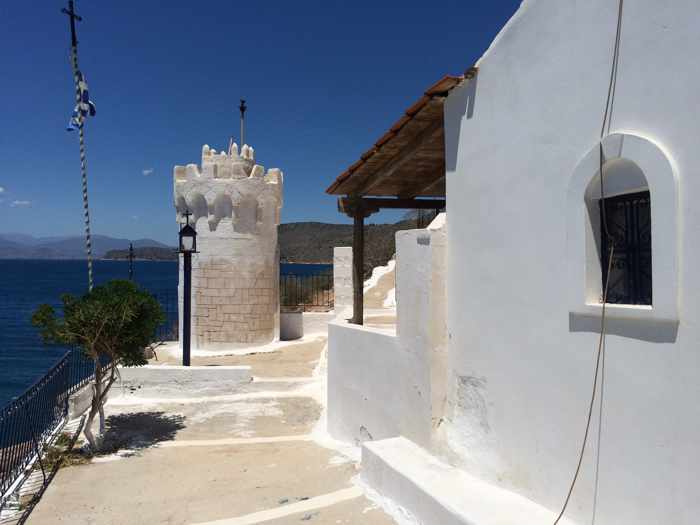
(629, 224)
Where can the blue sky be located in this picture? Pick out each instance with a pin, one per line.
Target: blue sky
(323, 80)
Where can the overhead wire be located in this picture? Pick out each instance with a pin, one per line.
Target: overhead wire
(607, 116)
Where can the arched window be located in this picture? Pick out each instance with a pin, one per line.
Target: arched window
(640, 207)
(623, 231)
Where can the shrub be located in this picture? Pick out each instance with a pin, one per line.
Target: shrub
(112, 325)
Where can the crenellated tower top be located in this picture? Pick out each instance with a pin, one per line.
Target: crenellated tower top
(231, 187)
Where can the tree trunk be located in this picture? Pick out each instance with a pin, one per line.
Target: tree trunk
(95, 408)
(102, 418)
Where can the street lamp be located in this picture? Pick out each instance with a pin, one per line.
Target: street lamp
(188, 246)
(131, 262)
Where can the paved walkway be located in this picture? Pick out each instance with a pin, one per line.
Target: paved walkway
(239, 458)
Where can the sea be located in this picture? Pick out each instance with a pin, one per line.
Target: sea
(25, 284)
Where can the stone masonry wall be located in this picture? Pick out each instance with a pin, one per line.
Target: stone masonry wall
(234, 205)
(233, 305)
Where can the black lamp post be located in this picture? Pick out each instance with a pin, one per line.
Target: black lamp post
(131, 262)
(188, 246)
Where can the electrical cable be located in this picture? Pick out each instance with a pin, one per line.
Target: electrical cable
(607, 115)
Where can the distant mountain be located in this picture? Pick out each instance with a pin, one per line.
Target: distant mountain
(8, 247)
(28, 240)
(149, 253)
(306, 242)
(313, 242)
(20, 246)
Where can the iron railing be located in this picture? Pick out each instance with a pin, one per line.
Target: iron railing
(306, 292)
(28, 421)
(169, 328)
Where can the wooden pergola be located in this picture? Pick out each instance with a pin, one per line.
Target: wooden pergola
(404, 169)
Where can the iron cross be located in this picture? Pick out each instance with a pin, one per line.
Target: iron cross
(73, 17)
(242, 109)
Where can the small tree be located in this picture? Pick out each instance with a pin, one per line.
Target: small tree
(112, 325)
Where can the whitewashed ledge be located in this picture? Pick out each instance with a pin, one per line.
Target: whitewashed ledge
(403, 475)
(174, 381)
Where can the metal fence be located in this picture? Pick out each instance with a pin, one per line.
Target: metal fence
(169, 328)
(297, 291)
(306, 292)
(28, 421)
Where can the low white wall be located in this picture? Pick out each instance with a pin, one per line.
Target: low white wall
(342, 280)
(317, 322)
(80, 401)
(376, 389)
(379, 384)
(433, 492)
(182, 381)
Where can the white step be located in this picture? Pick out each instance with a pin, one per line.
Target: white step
(435, 493)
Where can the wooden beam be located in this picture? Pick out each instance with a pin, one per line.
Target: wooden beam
(368, 205)
(428, 186)
(358, 267)
(396, 162)
(358, 208)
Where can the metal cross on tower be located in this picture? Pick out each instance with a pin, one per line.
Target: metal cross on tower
(80, 119)
(242, 109)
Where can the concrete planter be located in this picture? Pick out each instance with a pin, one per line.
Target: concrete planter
(291, 326)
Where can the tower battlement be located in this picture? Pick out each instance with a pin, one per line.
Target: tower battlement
(227, 186)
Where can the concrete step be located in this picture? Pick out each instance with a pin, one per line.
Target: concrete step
(435, 493)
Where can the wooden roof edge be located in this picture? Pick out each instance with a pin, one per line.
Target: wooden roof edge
(441, 88)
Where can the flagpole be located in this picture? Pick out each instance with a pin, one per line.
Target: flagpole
(81, 136)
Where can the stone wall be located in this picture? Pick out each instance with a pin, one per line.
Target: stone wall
(233, 304)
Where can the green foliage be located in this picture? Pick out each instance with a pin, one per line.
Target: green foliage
(116, 321)
(313, 242)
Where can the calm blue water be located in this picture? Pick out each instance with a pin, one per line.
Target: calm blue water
(25, 284)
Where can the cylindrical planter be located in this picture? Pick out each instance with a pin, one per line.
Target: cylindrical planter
(291, 326)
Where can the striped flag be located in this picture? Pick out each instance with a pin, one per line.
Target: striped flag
(84, 108)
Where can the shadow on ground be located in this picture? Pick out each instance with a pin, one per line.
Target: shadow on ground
(140, 430)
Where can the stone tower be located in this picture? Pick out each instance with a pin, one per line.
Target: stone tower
(235, 207)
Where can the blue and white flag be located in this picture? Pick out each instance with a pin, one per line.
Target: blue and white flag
(84, 108)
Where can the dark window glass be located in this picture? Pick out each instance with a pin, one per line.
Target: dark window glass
(629, 225)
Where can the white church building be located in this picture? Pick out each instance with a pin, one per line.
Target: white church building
(475, 406)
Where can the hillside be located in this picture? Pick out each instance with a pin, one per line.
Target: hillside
(307, 242)
(314, 241)
(147, 253)
(19, 246)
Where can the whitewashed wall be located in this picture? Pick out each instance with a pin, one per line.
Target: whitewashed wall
(521, 368)
(342, 281)
(379, 383)
(375, 386)
(235, 206)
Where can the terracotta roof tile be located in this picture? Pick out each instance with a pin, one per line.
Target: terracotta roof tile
(400, 123)
(384, 139)
(439, 89)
